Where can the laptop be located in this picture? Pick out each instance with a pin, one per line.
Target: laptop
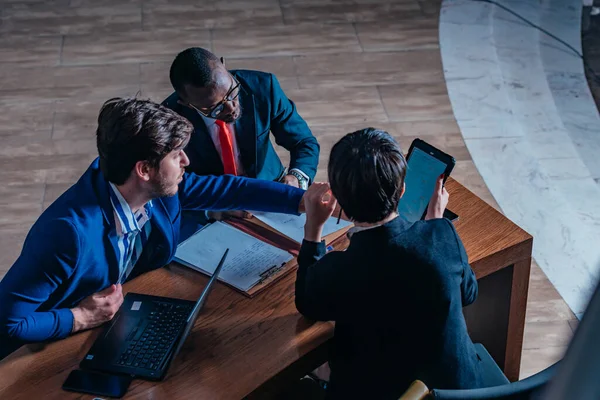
(146, 334)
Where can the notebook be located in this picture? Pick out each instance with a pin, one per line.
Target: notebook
(250, 260)
(292, 226)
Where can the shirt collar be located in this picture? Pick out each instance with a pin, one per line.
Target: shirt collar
(393, 226)
(127, 220)
(356, 229)
(208, 121)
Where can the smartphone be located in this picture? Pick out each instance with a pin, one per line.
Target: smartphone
(91, 382)
(450, 215)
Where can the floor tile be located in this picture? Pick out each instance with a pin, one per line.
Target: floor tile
(338, 105)
(19, 216)
(149, 46)
(156, 92)
(541, 335)
(331, 13)
(401, 35)
(282, 67)
(22, 146)
(49, 20)
(155, 72)
(223, 5)
(357, 69)
(44, 162)
(77, 119)
(430, 7)
(26, 85)
(26, 50)
(536, 360)
(547, 310)
(26, 119)
(22, 193)
(411, 102)
(185, 16)
(284, 40)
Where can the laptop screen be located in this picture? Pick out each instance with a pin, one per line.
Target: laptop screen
(199, 304)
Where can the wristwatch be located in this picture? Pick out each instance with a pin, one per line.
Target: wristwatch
(301, 179)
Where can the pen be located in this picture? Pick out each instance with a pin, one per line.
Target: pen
(339, 216)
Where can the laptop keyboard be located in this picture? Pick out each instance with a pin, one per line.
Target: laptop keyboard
(147, 349)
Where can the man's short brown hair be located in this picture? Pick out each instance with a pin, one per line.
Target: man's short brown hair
(132, 130)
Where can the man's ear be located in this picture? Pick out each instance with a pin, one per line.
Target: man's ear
(403, 189)
(142, 170)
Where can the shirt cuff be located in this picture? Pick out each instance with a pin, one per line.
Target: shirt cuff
(315, 249)
(301, 173)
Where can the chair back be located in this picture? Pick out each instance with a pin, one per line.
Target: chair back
(520, 390)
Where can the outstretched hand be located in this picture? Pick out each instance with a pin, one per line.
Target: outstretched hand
(319, 204)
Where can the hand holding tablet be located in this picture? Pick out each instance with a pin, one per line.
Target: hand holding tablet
(425, 165)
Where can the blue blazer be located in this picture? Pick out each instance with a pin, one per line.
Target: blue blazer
(265, 107)
(70, 252)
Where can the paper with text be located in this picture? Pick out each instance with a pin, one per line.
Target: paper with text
(248, 261)
(292, 226)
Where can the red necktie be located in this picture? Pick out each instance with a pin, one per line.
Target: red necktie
(226, 148)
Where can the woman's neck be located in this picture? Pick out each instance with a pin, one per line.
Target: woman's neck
(372, 224)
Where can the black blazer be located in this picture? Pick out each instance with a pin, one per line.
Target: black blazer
(265, 109)
(396, 295)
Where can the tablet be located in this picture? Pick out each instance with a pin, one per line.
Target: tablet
(425, 165)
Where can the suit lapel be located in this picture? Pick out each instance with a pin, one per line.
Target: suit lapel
(159, 248)
(245, 132)
(102, 193)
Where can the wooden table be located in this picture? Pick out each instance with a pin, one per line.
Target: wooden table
(241, 345)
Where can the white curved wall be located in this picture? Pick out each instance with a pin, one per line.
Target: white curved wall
(525, 111)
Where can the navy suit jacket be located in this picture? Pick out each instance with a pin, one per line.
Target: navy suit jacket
(70, 252)
(396, 295)
(265, 108)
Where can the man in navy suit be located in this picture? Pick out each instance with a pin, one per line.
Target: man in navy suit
(121, 219)
(233, 113)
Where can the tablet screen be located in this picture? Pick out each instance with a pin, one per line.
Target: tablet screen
(421, 175)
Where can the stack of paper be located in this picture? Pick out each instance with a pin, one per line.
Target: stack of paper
(292, 226)
(249, 260)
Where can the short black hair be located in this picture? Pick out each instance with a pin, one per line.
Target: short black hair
(194, 67)
(132, 130)
(366, 172)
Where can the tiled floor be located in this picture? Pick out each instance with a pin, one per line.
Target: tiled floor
(347, 64)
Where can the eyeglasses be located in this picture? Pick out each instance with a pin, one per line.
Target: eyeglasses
(216, 110)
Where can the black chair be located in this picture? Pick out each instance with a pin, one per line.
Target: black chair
(497, 386)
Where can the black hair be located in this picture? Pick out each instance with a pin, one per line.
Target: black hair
(366, 172)
(194, 67)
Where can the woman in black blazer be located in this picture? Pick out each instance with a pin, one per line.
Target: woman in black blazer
(396, 294)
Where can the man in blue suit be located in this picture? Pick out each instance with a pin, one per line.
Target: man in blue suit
(121, 219)
(233, 113)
